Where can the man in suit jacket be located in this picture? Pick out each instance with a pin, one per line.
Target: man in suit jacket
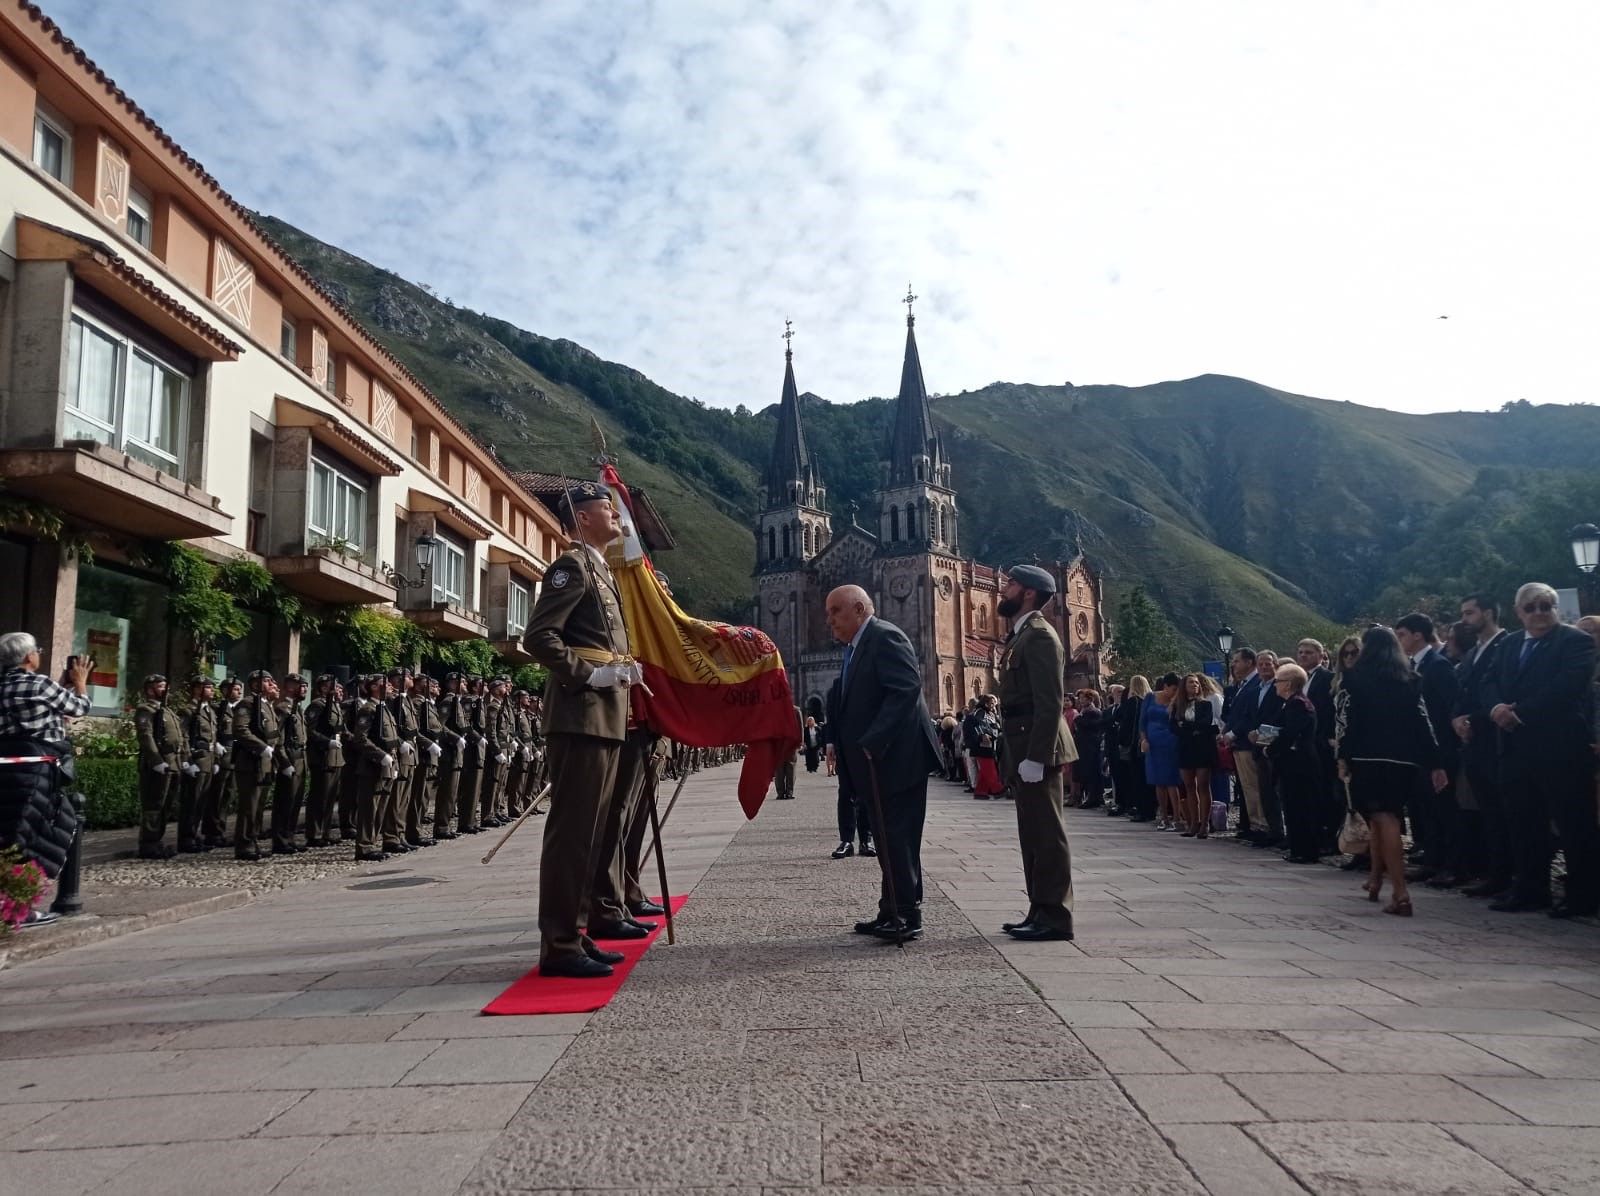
(884, 741)
(1480, 748)
(1433, 813)
(1257, 702)
(1319, 692)
(1037, 747)
(1537, 695)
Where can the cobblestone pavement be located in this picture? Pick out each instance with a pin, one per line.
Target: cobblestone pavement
(1224, 1023)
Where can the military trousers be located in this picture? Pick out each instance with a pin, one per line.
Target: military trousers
(155, 802)
(419, 806)
(493, 789)
(1046, 858)
(636, 827)
(288, 792)
(444, 800)
(584, 771)
(253, 790)
(516, 776)
(372, 792)
(349, 801)
(212, 813)
(608, 887)
(321, 788)
(467, 796)
(393, 802)
(192, 791)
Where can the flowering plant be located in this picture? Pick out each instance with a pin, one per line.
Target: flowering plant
(21, 882)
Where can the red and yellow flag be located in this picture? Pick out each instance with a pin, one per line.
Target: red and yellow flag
(711, 684)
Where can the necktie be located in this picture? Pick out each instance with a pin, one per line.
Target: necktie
(1528, 645)
(844, 672)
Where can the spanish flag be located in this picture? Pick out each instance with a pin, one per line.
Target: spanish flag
(709, 684)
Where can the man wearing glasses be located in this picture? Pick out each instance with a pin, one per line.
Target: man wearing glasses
(1536, 696)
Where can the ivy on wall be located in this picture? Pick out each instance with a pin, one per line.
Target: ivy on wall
(46, 522)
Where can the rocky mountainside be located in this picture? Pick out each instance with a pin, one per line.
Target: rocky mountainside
(1227, 500)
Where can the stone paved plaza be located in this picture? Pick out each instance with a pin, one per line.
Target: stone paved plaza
(1224, 1023)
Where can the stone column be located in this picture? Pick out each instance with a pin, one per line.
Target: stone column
(50, 601)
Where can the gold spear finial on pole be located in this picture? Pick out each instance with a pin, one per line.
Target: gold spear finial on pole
(601, 457)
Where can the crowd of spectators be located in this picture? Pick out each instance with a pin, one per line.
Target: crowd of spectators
(1460, 757)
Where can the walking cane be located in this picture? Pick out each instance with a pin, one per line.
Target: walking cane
(885, 851)
(664, 817)
(661, 870)
(526, 814)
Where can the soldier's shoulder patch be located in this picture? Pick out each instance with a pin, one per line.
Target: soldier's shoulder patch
(558, 579)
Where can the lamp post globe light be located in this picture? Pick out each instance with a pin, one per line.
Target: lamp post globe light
(1225, 640)
(423, 548)
(425, 545)
(1585, 546)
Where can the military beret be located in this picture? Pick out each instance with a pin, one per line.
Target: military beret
(452, 676)
(294, 679)
(261, 675)
(587, 492)
(1031, 577)
(197, 680)
(322, 677)
(663, 579)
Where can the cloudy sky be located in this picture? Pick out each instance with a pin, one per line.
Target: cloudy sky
(1092, 192)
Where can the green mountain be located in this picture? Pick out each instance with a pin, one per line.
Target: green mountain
(1278, 513)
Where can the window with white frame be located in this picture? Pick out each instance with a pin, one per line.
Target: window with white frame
(121, 394)
(517, 610)
(330, 380)
(52, 144)
(140, 215)
(337, 511)
(287, 340)
(449, 572)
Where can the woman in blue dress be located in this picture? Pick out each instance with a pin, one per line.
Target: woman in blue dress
(1160, 741)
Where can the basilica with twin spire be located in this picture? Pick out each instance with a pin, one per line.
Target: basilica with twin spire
(907, 556)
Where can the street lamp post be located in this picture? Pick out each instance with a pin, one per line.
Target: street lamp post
(423, 548)
(1586, 554)
(1225, 642)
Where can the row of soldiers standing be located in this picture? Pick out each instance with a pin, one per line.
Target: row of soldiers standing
(389, 764)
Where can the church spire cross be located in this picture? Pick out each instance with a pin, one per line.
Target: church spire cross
(788, 340)
(908, 301)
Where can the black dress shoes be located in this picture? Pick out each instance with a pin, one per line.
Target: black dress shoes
(370, 857)
(843, 850)
(1008, 927)
(646, 909)
(574, 967)
(867, 849)
(437, 835)
(601, 955)
(871, 925)
(1041, 934)
(1566, 910)
(893, 930)
(619, 930)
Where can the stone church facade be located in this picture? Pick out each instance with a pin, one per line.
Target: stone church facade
(905, 554)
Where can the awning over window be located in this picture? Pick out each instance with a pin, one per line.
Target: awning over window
(98, 265)
(447, 513)
(517, 561)
(326, 429)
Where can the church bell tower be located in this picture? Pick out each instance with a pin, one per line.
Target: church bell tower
(793, 526)
(916, 505)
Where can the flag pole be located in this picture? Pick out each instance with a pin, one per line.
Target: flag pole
(681, 781)
(661, 869)
(533, 807)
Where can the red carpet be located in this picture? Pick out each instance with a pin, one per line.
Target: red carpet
(557, 994)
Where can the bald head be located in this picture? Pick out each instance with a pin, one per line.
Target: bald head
(846, 609)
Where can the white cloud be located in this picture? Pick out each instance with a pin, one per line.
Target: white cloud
(1107, 193)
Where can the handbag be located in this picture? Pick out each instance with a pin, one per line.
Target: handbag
(1355, 836)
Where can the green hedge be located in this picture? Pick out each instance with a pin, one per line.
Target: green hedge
(110, 790)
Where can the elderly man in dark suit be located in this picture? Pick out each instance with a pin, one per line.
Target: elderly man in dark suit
(1537, 695)
(885, 745)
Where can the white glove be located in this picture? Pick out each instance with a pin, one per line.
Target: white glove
(607, 676)
(406, 750)
(215, 750)
(433, 750)
(266, 753)
(159, 769)
(289, 771)
(635, 673)
(501, 758)
(1030, 772)
(481, 738)
(461, 741)
(388, 762)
